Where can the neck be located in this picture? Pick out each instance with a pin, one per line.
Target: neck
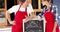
(20, 4)
(48, 6)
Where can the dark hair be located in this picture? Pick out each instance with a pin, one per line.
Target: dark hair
(22, 1)
(51, 1)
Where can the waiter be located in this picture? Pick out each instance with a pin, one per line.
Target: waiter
(22, 10)
(51, 16)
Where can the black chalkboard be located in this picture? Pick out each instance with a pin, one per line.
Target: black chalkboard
(33, 26)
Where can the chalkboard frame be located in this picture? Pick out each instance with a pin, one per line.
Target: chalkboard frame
(34, 20)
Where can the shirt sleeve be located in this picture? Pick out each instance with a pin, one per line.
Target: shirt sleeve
(42, 12)
(30, 9)
(13, 9)
(55, 12)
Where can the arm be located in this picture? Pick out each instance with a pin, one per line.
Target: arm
(8, 16)
(31, 11)
(55, 25)
(56, 18)
(11, 10)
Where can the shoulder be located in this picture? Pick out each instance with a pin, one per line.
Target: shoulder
(29, 5)
(30, 8)
(13, 8)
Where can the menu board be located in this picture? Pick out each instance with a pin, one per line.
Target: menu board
(33, 26)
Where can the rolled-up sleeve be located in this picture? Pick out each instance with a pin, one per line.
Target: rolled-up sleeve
(55, 11)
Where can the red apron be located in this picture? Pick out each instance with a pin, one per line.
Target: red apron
(19, 21)
(49, 16)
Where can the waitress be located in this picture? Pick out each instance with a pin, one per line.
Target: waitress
(51, 16)
(22, 10)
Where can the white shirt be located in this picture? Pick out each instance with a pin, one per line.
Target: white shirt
(16, 7)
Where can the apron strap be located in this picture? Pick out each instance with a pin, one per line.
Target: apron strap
(25, 9)
(51, 8)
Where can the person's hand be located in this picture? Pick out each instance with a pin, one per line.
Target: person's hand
(39, 18)
(54, 30)
(12, 22)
